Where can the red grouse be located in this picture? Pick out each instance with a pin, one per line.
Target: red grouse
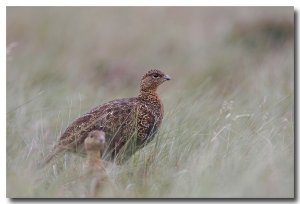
(129, 124)
(94, 144)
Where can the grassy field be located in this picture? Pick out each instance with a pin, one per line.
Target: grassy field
(228, 129)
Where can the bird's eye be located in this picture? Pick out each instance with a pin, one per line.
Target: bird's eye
(155, 75)
(91, 136)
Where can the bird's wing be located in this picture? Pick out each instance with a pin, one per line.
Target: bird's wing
(75, 129)
(107, 116)
(116, 114)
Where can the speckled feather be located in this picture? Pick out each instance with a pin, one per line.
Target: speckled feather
(129, 123)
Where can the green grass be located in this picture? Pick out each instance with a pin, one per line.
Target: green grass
(228, 129)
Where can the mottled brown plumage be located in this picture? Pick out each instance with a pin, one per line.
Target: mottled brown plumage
(128, 123)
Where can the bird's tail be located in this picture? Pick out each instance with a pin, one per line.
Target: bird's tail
(56, 150)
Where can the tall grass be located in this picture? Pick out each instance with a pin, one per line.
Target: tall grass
(228, 129)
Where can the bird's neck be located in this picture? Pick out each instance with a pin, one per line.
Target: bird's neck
(149, 96)
(93, 157)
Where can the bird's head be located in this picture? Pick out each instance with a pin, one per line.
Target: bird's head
(152, 79)
(95, 141)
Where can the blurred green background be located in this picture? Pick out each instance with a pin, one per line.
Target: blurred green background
(228, 129)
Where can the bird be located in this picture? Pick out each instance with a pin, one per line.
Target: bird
(94, 144)
(94, 167)
(129, 123)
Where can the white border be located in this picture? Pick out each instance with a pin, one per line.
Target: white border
(148, 3)
(3, 103)
(103, 3)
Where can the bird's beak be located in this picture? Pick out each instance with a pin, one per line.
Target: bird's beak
(167, 77)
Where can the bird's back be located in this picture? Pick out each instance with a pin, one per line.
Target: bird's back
(115, 118)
